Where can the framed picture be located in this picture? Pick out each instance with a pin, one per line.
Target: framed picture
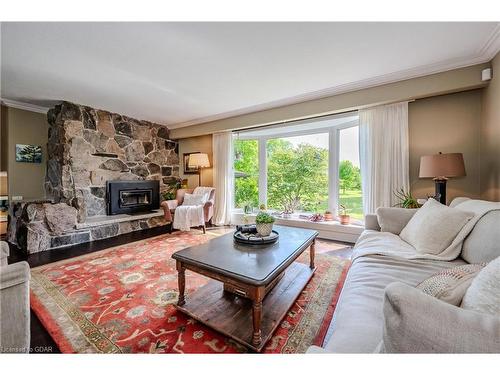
(185, 158)
(28, 153)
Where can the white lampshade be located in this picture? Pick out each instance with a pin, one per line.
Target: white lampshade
(198, 161)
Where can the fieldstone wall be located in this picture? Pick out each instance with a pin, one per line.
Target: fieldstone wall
(88, 147)
(41, 225)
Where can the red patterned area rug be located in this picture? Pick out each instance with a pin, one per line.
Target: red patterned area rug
(120, 300)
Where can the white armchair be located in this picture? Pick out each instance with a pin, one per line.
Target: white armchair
(14, 304)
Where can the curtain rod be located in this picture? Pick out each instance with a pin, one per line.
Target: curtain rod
(284, 122)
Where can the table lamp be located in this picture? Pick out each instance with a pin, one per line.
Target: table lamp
(440, 167)
(199, 161)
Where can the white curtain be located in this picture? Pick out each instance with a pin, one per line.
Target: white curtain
(384, 154)
(223, 177)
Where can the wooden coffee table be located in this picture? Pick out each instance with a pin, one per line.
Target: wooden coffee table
(252, 287)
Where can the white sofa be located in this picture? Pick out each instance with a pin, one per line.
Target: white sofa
(358, 322)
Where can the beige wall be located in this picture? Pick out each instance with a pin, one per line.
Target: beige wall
(3, 138)
(490, 136)
(435, 84)
(197, 144)
(447, 123)
(24, 127)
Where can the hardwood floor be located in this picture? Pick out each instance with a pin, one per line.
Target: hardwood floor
(44, 257)
(42, 342)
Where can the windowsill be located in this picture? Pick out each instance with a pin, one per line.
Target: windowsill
(327, 229)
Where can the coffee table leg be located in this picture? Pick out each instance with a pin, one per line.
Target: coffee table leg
(312, 253)
(257, 318)
(257, 315)
(181, 279)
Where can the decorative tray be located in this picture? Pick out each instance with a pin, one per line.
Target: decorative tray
(255, 238)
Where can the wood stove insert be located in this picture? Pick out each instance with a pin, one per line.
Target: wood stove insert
(127, 197)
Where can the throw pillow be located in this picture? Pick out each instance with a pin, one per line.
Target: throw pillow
(394, 219)
(193, 199)
(434, 226)
(483, 294)
(417, 323)
(450, 285)
(481, 245)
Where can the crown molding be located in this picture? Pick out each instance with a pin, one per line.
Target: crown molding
(492, 45)
(337, 90)
(485, 54)
(24, 106)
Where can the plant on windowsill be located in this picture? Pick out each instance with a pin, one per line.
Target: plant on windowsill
(344, 218)
(407, 200)
(264, 223)
(316, 217)
(289, 206)
(247, 208)
(328, 215)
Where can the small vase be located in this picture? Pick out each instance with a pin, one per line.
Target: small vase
(264, 229)
(328, 217)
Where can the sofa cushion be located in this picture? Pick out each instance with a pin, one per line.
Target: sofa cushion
(456, 201)
(451, 284)
(482, 244)
(373, 241)
(483, 294)
(394, 219)
(418, 323)
(434, 226)
(358, 321)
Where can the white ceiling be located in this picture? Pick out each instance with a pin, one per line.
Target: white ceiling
(184, 73)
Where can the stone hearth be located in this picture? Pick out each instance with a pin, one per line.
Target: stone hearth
(87, 147)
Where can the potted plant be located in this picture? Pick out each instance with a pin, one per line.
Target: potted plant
(171, 191)
(344, 218)
(168, 195)
(328, 216)
(407, 200)
(289, 206)
(264, 223)
(247, 208)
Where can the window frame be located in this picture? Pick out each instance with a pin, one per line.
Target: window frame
(333, 158)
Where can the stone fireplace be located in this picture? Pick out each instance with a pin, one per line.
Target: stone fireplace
(87, 148)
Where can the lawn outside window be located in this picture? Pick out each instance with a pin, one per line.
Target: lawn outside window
(310, 166)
